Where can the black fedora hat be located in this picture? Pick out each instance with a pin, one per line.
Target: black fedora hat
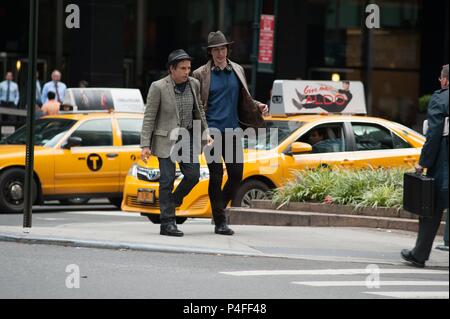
(178, 55)
(217, 39)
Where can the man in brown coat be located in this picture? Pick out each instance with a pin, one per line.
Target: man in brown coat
(228, 106)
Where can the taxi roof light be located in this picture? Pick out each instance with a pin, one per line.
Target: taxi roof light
(317, 97)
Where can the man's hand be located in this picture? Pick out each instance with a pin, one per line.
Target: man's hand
(264, 109)
(210, 141)
(145, 154)
(419, 169)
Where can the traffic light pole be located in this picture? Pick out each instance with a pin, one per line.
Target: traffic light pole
(31, 102)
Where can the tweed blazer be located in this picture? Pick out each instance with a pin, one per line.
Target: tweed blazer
(161, 117)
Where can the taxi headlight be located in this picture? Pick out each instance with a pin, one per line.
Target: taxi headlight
(204, 173)
(144, 174)
(153, 174)
(132, 171)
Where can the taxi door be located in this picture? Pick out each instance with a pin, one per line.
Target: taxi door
(377, 146)
(130, 152)
(331, 148)
(94, 166)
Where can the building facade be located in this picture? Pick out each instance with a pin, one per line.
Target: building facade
(126, 43)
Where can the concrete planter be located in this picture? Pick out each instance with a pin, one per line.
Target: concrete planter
(334, 209)
(263, 212)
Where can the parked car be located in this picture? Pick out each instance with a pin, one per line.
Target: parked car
(77, 155)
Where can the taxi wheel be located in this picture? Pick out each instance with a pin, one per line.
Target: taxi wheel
(249, 191)
(12, 187)
(155, 219)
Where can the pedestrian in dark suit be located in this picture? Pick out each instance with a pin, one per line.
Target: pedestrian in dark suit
(434, 159)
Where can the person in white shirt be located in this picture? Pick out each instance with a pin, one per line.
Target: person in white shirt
(55, 86)
(9, 95)
(9, 91)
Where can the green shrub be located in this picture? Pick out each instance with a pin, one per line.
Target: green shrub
(359, 188)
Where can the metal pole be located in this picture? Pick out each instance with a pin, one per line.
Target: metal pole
(254, 56)
(31, 101)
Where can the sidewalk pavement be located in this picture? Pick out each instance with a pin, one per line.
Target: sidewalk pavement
(362, 245)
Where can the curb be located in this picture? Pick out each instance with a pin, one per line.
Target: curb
(53, 241)
(270, 217)
(71, 242)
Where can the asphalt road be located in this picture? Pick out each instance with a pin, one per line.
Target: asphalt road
(40, 271)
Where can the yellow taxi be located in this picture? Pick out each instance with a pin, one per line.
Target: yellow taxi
(346, 141)
(312, 124)
(82, 155)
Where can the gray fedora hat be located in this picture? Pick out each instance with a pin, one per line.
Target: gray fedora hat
(217, 39)
(178, 55)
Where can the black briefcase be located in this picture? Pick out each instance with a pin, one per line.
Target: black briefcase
(418, 194)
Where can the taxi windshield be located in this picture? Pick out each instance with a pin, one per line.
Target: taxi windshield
(274, 133)
(48, 132)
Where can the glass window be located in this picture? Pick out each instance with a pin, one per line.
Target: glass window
(48, 132)
(131, 131)
(95, 133)
(326, 138)
(372, 137)
(274, 133)
(399, 142)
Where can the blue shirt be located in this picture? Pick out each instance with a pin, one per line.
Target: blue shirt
(9, 96)
(51, 87)
(223, 98)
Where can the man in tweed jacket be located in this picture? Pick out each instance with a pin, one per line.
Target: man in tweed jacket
(174, 103)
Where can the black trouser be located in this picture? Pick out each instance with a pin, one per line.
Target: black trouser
(169, 200)
(220, 198)
(428, 228)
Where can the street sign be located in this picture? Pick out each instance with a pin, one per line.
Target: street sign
(266, 43)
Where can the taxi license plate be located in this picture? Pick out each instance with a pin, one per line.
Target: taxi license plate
(146, 196)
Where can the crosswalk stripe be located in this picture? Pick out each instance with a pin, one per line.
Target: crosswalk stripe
(332, 272)
(365, 284)
(412, 294)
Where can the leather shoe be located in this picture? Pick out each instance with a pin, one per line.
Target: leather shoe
(171, 230)
(224, 230)
(408, 256)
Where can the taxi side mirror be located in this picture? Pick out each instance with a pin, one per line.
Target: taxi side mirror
(73, 141)
(300, 148)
